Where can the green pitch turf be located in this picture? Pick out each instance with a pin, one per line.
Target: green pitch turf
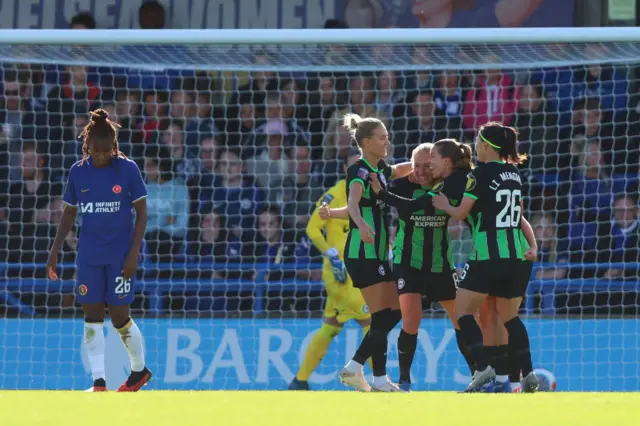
(158, 408)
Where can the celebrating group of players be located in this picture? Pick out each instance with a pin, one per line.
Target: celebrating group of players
(440, 182)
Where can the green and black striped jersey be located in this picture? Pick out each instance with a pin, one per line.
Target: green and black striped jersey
(373, 210)
(423, 240)
(495, 217)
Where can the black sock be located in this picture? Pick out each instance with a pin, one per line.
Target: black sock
(464, 351)
(514, 367)
(491, 352)
(519, 349)
(502, 360)
(472, 336)
(100, 383)
(407, 344)
(374, 343)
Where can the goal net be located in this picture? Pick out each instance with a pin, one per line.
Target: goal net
(238, 137)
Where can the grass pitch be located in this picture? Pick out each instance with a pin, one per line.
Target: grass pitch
(228, 408)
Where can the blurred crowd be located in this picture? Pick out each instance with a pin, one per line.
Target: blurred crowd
(235, 162)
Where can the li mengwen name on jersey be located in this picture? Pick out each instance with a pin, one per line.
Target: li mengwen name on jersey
(423, 221)
(100, 207)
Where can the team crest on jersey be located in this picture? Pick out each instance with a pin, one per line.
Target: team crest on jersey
(401, 283)
(437, 187)
(82, 290)
(116, 189)
(363, 174)
(381, 270)
(471, 182)
(365, 308)
(383, 179)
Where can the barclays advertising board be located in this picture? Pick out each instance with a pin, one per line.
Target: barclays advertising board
(584, 355)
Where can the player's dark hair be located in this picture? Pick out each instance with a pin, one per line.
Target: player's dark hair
(459, 153)
(100, 130)
(274, 211)
(503, 139)
(360, 128)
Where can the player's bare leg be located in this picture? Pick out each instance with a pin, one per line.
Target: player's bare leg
(519, 347)
(382, 299)
(467, 304)
(94, 344)
(132, 340)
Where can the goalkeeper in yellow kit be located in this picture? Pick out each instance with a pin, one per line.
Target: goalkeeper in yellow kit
(344, 302)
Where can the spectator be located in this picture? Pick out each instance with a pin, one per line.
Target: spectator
(602, 81)
(420, 125)
(168, 209)
(545, 230)
(154, 111)
(622, 236)
(151, 16)
(492, 97)
(362, 97)
(323, 102)
(449, 98)
(242, 124)
(83, 21)
(585, 209)
(338, 146)
(421, 79)
(538, 135)
(271, 164)
(181, 104)
(303, 189)
(237, 198)
(201, 184)
(172, 138)
(72, 150)
(26, 197)
(277, 110)
(19, 122)
(390, 93)
(214, 244)
(275, 245)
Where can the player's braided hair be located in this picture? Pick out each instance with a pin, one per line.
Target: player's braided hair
(503, 139)
(100, 128)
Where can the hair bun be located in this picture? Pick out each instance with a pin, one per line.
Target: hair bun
(99, 115)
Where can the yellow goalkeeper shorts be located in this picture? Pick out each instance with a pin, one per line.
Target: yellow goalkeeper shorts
(344, 302)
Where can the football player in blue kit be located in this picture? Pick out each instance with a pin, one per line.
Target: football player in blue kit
(107, 188)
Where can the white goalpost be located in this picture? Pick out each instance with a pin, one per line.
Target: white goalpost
(237, 132)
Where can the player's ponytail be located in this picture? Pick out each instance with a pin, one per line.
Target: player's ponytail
(459, 153)
(100, 130)
(503, 139)
(360, 128)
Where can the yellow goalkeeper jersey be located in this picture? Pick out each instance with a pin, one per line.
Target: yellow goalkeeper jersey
(335, 230)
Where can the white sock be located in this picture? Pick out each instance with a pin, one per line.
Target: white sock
(94, 344)
(132, 339)
(379, 381)
(502, 379)
(354, 367)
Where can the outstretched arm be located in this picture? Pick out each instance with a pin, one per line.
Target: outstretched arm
(441, 202)
(401, 170)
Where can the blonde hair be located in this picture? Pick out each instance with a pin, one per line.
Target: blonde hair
(423, 147)
(360, 128)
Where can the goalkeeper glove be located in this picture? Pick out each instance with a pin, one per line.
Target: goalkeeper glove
(337, 265)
